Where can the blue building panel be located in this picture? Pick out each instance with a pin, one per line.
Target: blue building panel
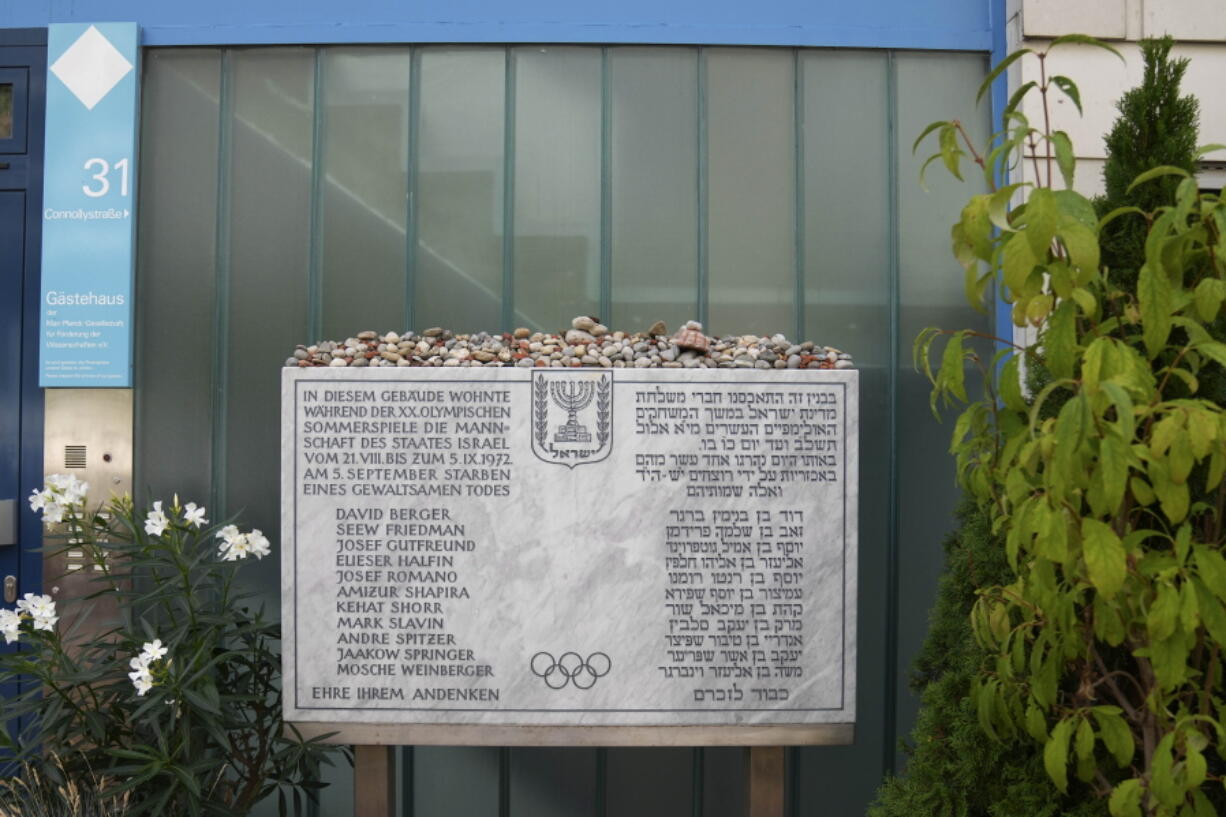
(963, 25)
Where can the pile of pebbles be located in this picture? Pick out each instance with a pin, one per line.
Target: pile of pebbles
(586, 343)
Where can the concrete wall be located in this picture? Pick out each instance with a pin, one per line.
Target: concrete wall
(1199, 26)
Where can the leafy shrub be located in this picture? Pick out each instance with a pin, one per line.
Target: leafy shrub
(1107, 485)
(176, 702)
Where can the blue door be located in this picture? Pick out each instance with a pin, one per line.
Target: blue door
(22, 71)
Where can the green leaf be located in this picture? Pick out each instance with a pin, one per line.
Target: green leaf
(1163, 614)
(1055, 755)
(1070, 90)
(1214, 351)
(1075, 207)
(1126, 799)
(1082, 245)
(953, 376)
(1000, 68)
(1201, 807)
(1212, 614)
(1180, 459)
(1106, 561)
(998, 207)
(1113, 469)
(1011, 384)
(1153, 293)
(1083, 39)
(950, 152)
(931, 127)
(1016, 98)
(1210, 148)
(1086, 301)
(1212, 569)
(1115, 735)
(1036, 724)
(1117, 212)
(1065, 159)
(1052, 542)
(1156, 173)
(1041, 220)
(1060, 340)
(1170, 661)
(1162, 778)
(1209, 296)
(1083, 740)
(1172, 498)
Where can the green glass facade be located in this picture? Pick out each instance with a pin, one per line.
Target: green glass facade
(293, 194)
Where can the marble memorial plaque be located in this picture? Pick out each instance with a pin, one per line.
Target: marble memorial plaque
(569, 547)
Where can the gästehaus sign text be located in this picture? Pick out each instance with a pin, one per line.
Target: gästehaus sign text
(569, 548)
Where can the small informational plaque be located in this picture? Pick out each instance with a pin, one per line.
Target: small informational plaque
(89, 194)
(556, 548)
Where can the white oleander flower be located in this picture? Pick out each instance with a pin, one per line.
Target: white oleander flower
(193, 515)
(142, 680)
(260, 546)
(235, 545)
(156, 521)
(10, 624)
(53, 512)
(142, 665)
(59, 495)
(39, 608)
(153, 650)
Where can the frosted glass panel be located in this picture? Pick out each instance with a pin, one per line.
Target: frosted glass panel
(557, 185)
(176, 257)
(459, 189)
(752, 167)
(553, 782)
(848, 285)
(847, 215)
(930, 87)
(654, 180)
(269, 192)
(363, 186)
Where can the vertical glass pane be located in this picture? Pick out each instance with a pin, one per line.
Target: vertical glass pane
(650, 781)
(557, 185)
(846, 185)
(6, 111)
(752, 190)
(654, 179)
(847, 305)
(362, 184)
(459, 189)
(552, 782)
(270, 218)
(454, 780)
(176, 254)
(930, 87)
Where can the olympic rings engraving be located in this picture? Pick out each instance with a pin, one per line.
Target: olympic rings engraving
(570, 668)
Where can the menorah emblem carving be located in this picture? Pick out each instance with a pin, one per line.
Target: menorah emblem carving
(577, 407)
(572, 398)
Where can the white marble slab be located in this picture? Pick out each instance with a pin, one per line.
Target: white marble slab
(462, 548)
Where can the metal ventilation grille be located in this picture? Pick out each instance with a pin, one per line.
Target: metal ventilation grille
(74, 456)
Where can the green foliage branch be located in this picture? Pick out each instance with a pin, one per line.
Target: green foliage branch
(206, 737)
(1106, 485)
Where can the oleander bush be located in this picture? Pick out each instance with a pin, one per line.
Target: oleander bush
(164, 682)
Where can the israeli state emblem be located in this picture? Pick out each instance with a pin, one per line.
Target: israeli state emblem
(572, 416)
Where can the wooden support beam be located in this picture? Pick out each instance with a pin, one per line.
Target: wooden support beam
(374, 781)
(765, 770)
